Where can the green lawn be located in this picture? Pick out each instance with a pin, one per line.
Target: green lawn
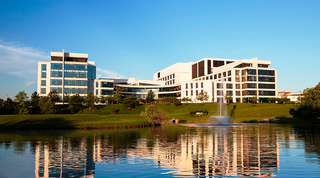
(102, 118)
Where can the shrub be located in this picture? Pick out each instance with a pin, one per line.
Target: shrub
(199, 113)
(154, 115)
(113, 110)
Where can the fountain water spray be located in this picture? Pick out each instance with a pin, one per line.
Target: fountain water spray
(221, 116)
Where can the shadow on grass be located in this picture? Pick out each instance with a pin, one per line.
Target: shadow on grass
(284, 119)
(38, 124)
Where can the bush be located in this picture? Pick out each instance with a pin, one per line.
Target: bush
(199, 113)
(113, 110)
(154, 115)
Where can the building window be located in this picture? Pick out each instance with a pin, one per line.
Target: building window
(96, 92)
(187, 93)
(229, 72)
(43, 91)
(170, 76)
(201, 84)
(158, 74)
(196, 85)
(44, 67)
(43, 82)
(173, 75)
(43, 74)
(186, 86)
(219, 75)
(215, 76)
(237, 93)
(210, 77)
(191, 84)
(237, 86)
(224, 74)
(173, 81)
(229, 79)
(196, 92)
(219, 85)
(219, 93)
(97, 84)
(229, 85)
(191, 92)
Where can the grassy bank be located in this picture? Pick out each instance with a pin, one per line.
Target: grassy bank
(102, 118)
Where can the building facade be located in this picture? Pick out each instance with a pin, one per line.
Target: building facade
(67, 74)
(241, 79)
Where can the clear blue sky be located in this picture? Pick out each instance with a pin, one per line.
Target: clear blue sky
(138, 38)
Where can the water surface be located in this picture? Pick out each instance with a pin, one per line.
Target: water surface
(198, 150)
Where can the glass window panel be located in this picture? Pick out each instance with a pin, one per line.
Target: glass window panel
(43, 91)
(43, 74)
(44, 67)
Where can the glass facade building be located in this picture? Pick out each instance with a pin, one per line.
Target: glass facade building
(66, 73)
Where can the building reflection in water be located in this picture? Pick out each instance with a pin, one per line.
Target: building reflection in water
(201, 151)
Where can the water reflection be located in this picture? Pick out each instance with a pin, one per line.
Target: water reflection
(178, 150)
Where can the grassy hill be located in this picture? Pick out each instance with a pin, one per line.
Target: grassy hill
(102, 118)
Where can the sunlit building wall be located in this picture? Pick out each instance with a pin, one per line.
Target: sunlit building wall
(66, 73)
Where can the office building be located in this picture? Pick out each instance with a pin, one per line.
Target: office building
(67, 74)
(241, 79)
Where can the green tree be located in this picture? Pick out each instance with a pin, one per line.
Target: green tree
(66, 97)
(21, 97)
(202, 96)
(254, 99)
(76, 101)
(110, 99)
(35, 108)
(9, 107)
(309, 106)
(47, 106)
(150, 96)
(186, 100)
(228, 97)
(131, 101)
(90, 100)
(23, 108)
(154, 115)
(117, 96)
(54, 96)
(270, 100)
(284, 98)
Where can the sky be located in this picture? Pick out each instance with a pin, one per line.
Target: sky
(138, 38)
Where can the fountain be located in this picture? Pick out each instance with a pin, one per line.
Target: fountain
(222, 116)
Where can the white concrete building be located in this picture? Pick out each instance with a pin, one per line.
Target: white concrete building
(242, 79)
(67, 73)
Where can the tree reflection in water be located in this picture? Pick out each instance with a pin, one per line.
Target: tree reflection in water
(250, 150)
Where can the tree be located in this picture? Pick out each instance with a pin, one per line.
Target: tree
(66, 97)
(131, 101)
(186, 99)
(270, 100)
(76, 101)
(309, 106)
(202, 96)
(90, 100)
(110, 99)
(284, 98)
(154, 115)
(54, 96)
(103, 99)
(23, 108)
(35, 108)
(9, 107)
(117, 96)
(47, 106)
(254, 99)
(228, 97)
(150, 96)
(21, 97)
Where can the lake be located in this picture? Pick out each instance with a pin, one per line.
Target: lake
(190, 150)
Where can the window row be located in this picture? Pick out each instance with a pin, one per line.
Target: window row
(58, 66)
(191, 85)
(70, 90)
(166, 78)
